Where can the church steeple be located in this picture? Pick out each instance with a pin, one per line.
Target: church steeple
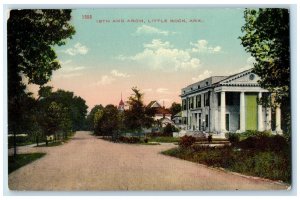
(121, 106)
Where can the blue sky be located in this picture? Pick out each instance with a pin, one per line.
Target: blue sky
(104, 59)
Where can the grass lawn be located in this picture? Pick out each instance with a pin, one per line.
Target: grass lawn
(21, 160)
(150, 143)
(52, 144)
(164, 139)
(266, 164)
(11, 145)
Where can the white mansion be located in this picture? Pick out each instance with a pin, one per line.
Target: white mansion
(220, 104)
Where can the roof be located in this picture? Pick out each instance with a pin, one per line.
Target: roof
(162, 111)
(152, 103)
(166, 121)
(178, 114)
(208, 83)
(121, 103)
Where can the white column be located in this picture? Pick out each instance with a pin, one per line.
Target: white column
(278, 120)
(259, 114)
(197, 121)
(242, 112)
(212, 112)
(222, 113)
(269, 118)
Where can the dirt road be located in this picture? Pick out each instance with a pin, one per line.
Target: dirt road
(88, 163)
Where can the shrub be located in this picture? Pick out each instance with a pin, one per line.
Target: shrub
(131, 140)
(209, 138)
(146, 140)
(267, 164)
(164, 139)
(272, 143)
(187, 141)
(169, 129)
(250, 133)
(233, 137)
(159, 134)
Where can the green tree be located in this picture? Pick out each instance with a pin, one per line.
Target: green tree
(44, 92)
(73, 111)
(109, 121)
(175, 108)
(91, 116)
(31, 35)
(76, 107)
(53, 118)
(138, 116)
(267, 38)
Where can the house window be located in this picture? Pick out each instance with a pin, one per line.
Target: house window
(232, 98)
(198, 101)
(206, 121)
(191, 100)
(184, 104)
(207, 99)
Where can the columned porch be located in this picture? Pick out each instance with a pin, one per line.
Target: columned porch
(259, 119)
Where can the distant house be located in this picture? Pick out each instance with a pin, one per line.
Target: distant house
(160, 111)
(177, 118)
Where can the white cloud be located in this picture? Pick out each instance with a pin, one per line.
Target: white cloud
(65, 62)
(69, 71)
(78, 68)
(201, 46)
(70, 68)
(249, 64)
(78, 48)
(157, 43)
(68, 75)
(202, 76)
(163, 90)
(150, 30)
(162, 55)
(105, 80)
(116, 73)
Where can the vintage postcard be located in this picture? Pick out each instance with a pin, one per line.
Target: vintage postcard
(149, 99)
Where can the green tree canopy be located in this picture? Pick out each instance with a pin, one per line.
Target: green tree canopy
(91, 118)
(108, 121)
(75, 107)
(267, 38)
(31, 36)
(175, 108)
(137, 116)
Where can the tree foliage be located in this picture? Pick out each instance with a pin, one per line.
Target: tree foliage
(31, 36)
(138, 116)
(267, 38)
(73, 107)
(94, 116)
(175, 108)
(108, 121)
